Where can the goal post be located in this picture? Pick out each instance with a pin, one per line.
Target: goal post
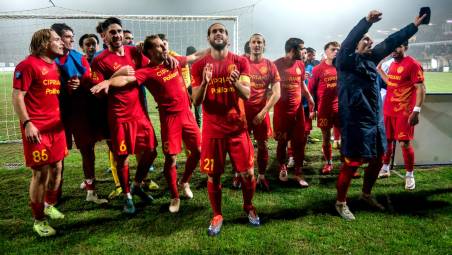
(17, 29)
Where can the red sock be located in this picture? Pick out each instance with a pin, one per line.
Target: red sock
(171, 178)
(408, 157)
(51, 196)
(343, 181)
(281, 152)
(214, 192)
(90, 186)
(388, 153)
(371, 175)
(190, 165)
(336, 133)
(327, 152)
(37, 210)
(123, 175)
(248, 189)
(262, 159)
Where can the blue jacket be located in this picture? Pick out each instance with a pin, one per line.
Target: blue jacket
(362, 127)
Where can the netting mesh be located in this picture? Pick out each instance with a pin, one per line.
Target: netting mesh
(18, 28)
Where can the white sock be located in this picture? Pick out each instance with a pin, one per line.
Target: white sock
(409, 174)
(340, 203)
(129, 196)
(385, 167)
(329, 162)
(46, 205)
(261, 176)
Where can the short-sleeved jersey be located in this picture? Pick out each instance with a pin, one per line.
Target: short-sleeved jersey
(263, 73)
(401, 90)
(223, 109)
(323, 86)
(123, 103)
(166, 86)
(292, 75)
(41, 81)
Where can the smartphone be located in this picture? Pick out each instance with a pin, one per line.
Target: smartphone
(425, 10)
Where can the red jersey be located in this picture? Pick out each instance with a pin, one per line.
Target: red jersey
(323, 86)
(262, 74)
(166, 86)
(123, 103)
(223, 109)
(401, 90)
(41, 81)
(292, 76)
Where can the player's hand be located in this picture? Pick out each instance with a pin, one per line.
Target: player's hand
(101, 87)
(73, 83)
(207, 73)
(171, 62)
(374, 16)
(234, 76)
(413, 119)
(313, 115)
(125, 71)
(259, 118)
(311, 103)
(32, 133)
(418, 20)
(140, 46)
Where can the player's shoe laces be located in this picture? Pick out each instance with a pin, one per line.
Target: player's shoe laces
(153, 185)
(290, 162)
(384, 171)
(115, 193)
(264, 184)
(236, 181)
(174, 205)
(283, 175)
(344, 212)
(91, 196)
(215, 226)
(187, 191)
(129, 207)
(53, 213)
(138, 191)
(410, 184)
(371, 201)
(43, 228)
(327, 168)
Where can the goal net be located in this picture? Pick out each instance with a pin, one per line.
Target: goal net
(18, 28)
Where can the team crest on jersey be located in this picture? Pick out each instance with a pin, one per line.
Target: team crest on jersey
(44, 71)
(263, 70)
(231, 68)
(298, 71)
(94, 76)
(400, 69)
(116, 66)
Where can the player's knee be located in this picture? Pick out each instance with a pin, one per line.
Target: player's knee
(405, 144)
(170, 159)
(248, 175)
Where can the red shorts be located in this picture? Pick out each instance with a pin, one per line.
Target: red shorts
(177, 127)
(213, 153)
(288, 127)
(328, 120)
(262, 131)
(130, 137)
(398, 128)
(51, 149)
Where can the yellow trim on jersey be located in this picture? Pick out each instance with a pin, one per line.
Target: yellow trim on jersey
(244, 78)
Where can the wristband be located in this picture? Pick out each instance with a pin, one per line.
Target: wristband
(25, 123)
(417, 109)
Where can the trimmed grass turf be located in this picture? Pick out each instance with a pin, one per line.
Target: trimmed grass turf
(295, 221)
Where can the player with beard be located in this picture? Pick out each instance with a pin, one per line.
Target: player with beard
(130, 127)
(404, 97)
(221, 84)
(288, 118)
(264, 93)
